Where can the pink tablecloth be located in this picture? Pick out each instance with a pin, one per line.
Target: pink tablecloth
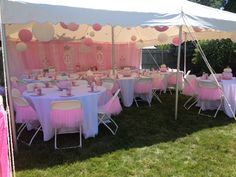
(4, 161)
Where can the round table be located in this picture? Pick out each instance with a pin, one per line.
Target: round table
(89, 100)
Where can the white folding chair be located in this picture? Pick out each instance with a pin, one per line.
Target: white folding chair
(112, 107)
(209, 91)
(15, 92)
(159, 83)
(66, 117)
(143, 87)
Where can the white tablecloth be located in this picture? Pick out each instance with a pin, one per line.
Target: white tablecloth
(89, 101)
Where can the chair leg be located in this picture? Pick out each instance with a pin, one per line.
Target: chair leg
(189, 99)
(21, 126)
(149, 102)
(21, 130)
(104, 123)
(55, 139)
(221, 101)
(192, 104)
(157, 97)
(170, 91)
(34, 135)
(218, 108)
(136, 102)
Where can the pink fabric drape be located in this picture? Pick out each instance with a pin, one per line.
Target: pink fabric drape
(66, 118)
(4, 161)
(69, 55)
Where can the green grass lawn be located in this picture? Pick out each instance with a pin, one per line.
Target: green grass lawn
(149, 142)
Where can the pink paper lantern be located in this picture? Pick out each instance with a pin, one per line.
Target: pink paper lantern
(72, 26)
(161, 28)
(197, 29)
(25, 35)
(97, 27)
(21, 46)
(88, 41)
(133, 38)
(63, 25)
(162, 38)
(175, 41)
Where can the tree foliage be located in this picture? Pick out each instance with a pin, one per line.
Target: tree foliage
(219, 54)
(231, 6)
(212, 3)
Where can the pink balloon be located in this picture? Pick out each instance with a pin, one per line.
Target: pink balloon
(72, 26)
(175, 41)
(63, 25)
(88, 41)
(25, 35)
(133, 38)
(97, 27)
(197, 29)
(161, 28)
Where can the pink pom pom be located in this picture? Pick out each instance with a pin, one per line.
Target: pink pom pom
(25, 35)
(97, 27)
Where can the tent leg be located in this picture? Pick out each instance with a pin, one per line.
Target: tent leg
(177, 74)
(185, 50)
(113, 49)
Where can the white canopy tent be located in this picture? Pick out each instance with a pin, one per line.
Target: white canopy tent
(120, 19)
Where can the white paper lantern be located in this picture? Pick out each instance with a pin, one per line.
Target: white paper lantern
(233, 37)
(44, 32)
(162, 38)
(21, 46)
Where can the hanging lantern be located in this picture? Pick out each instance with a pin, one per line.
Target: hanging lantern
(175, 41)
(133, 38)
(161, 28)
(44, 32)
(97, 27)
(91, 34)
(88, 41)
(72, 26)
(162, 38)
(21, 46)
(63, 25)
(197, 29)
(233, 37)
(25, 35)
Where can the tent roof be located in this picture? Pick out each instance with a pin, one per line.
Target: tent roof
(122, 12)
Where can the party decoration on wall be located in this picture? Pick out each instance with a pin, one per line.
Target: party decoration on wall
(100, 60)
(25, 35)
(72, 26)
(91, 34)
(84, 49)
(161, 28)
(43, 32)
(63, 25)
(175, 41)
(197, 29)
(21, 46)
(233, 37)
(99, 47)
(162, 38)
(88, 41)
(64, 38)
(133, 38)
(97, 27)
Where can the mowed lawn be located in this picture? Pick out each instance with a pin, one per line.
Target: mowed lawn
(149, 142)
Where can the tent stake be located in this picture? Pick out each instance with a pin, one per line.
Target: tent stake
(177, 74)
(113, 49)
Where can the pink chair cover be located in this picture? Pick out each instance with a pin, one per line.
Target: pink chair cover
(142, 88)
(172, 79)
(112, 107)
(25, 114)
(115, 87)
(157, 83)
(66, 118)
(190, 89)
(209, 93)
(4, 161)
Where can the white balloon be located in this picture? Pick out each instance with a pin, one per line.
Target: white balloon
(233, 37)
(44, 32)
(21, 46)
(162, 38)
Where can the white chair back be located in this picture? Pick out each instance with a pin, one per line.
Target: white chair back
(218, 76)
(115, 95)
(207, 84)
(15, 92)
(19, 101)
(66, 105)
(30, 87)
(108, 83)
(13, 79)
(80, 82)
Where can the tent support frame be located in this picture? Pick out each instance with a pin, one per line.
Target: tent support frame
(177, 74)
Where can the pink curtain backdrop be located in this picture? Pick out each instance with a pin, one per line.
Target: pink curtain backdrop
(63, 55)
(4, 161)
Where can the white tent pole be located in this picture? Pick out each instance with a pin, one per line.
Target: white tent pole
(9, 109)
(185, 50)
(177, 74)
(113, 49)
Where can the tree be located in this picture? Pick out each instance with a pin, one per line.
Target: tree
(212, 3)
(231, 6)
